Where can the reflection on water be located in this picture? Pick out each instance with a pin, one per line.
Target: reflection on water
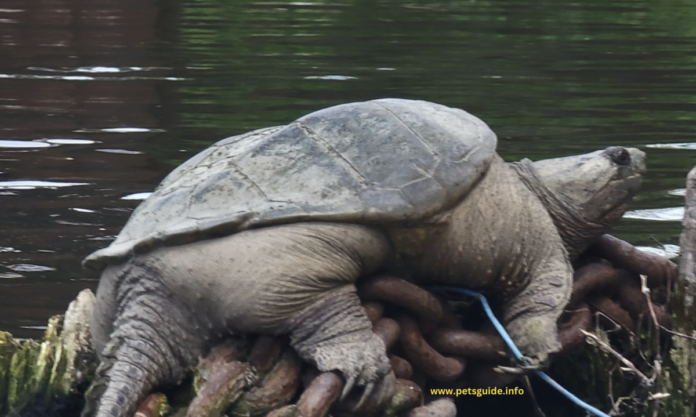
(22, 144)
(670, 251)
(122, 130)
(121, 151)
(136, 196)
(70, 141)
(99, 100)
(81, 78)
(674, 214)
(29, 268)
(32, 185)
(673, 145)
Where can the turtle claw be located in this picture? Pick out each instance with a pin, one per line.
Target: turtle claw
(531, 368)
(522, 366)
(369, 399)
(348, 387)
(368, 391)
(528, 364)
(508, 370)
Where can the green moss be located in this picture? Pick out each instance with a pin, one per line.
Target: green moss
(21, 379)
(8, 347)
(35, 373)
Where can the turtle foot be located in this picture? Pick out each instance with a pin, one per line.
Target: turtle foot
(537, 339)
(335, 335)
(361, 361)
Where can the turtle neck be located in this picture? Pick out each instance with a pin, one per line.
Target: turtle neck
(576, 232)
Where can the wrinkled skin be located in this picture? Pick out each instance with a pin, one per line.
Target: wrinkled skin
(514, 234)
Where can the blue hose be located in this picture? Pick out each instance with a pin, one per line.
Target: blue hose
(499, 327)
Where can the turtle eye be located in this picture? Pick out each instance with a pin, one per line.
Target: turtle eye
(619, 155)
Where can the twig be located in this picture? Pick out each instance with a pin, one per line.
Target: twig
(637, 340)
(672, 332)
(668, 294)
(537, 410)
(615, 406)
(669, 276)
(644, 379)
(658, 243)
(658, 371)
(658, 359)
(610, 381)
(617, 326)
(645, 290)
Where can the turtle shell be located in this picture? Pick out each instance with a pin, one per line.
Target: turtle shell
(377, 162)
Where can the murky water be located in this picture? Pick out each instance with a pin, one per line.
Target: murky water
(99, 100)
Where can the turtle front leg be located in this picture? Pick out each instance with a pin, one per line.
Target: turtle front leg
(531, 315)
(335, 334)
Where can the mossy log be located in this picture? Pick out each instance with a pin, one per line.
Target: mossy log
(680, 371)
(43, 377)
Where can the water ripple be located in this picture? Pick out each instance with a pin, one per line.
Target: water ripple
(120, 130)
(99, 69)
(68, 223)
(120, 151)
(81, 210)
(69, 141)
(18, 144)
(330, 77)
(670, 251)
(31, 185)
(102, 238)
(670, 214)
(136, 196)
(85, 78)
(679, 192)
(688, 145)
(29, 268)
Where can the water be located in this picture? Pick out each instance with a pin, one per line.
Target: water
(99, 100)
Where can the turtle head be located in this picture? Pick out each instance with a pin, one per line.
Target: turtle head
(599, 184)
(587, 193)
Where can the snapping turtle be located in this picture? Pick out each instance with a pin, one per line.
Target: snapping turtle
(267, 232)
